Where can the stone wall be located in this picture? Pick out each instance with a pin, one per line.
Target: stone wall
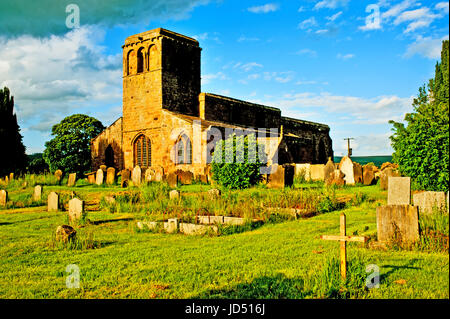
(112, 136)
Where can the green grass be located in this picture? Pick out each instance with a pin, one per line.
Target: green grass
(280, 259)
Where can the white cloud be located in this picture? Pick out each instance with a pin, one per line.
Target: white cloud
(443, 6)
(330, 4)
(426, 46)
(280, 77)
(307, 52)
(301, 9)
(208, 78)
(334, 16)
(311, 22)
(243, 38)
(345, 56)
(395, 10)
(208, 36)
(321, 31)
(418, 18)
(269, 7)
(54, 76)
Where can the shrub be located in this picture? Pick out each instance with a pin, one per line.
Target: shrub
(240, 168)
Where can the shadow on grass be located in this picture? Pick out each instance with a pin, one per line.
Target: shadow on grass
(5, 223)
(100, 222)
(395, 268)
(276, 287)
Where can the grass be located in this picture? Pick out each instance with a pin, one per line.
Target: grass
(281, 259)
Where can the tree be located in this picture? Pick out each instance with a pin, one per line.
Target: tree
(37, 164)
(70, 149)
(422, 147)
(13, 158)
(239, 168)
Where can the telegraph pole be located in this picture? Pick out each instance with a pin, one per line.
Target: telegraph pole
(349, 149)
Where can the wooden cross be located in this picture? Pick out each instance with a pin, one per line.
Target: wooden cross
(343, 238)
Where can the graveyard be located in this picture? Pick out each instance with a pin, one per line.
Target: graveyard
(142, 235)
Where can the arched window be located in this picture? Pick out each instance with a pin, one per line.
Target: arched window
(183, 150)
(140, 60)
(152, 54)
(129, 63)
(142, 152)
(109, 156)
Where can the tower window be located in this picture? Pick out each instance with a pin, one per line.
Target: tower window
(142, 152)
(183, 150)
(140, 61)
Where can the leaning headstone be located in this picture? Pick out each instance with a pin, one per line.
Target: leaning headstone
(37, 193)
(72, 179)
(399, 191)
(346, 167)
(65, 233)
(172, 180)
(429, 201)
(357, 173)
(3, 197)
(110, 175)
(99, 177)
(174, 194)
(368, 175)
(136, 176)
(397, 223)
(53, 202)
(76, 209)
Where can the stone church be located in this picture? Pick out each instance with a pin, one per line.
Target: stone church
(167, 120)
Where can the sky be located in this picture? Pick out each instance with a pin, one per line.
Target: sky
(353, 65)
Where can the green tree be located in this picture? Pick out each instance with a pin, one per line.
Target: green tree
(70, 149)
(421, 148)
(13, 158)
(239, 168)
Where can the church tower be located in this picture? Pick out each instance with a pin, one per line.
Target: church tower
(161, 71)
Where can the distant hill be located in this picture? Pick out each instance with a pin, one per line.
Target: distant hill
(377, 160)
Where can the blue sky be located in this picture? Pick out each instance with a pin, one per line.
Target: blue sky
(329, 61)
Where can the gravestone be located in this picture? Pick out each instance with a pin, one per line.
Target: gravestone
(368, 175)
(58, 175)
(357, 173)
(125, 175)
(91, 178)
(202, 179)
(110, 175)
(427, 201)
(149, 175)
(329, 171)
(136, 176)
(399, 191)
(76, 209)
(397, 222)
(11, 176)
(384, 177)
(337, 178)
(276, 179)
(65, 233)
(72, 180)
(99, 177)
(303, 170)
(37, 193)
(346, 167)
(317, 172)
(174, 194)
(171, 226)
(53, 202)
(172, 180)
(3, 197)
(186, 177)
(103, 168)
(159, 173)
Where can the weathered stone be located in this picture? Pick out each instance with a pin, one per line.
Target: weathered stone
(53, 202)
(136, 176)
(233, 221)
(368, 176)
(329, 171)
(149, 175)
(110, 199)
(185, 177)
(346, 167)
(193, 229)
(91, 178)
(3, 197)
(337, 178)
(110, 175)
(427, 201)
(384, 177)
(276, 179)
(58, 175)
(76, 209)
(174, 194)
(65, 233)
(357, 173)
(171, 226)
(397, 223)
(99, 177)
(103, 168)
(172, 180)
(399, 191)
(317, 172)
(37, 193)
(214, 193)
(125, 175)
(388, 165)
(72, 180)
(208, 220)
